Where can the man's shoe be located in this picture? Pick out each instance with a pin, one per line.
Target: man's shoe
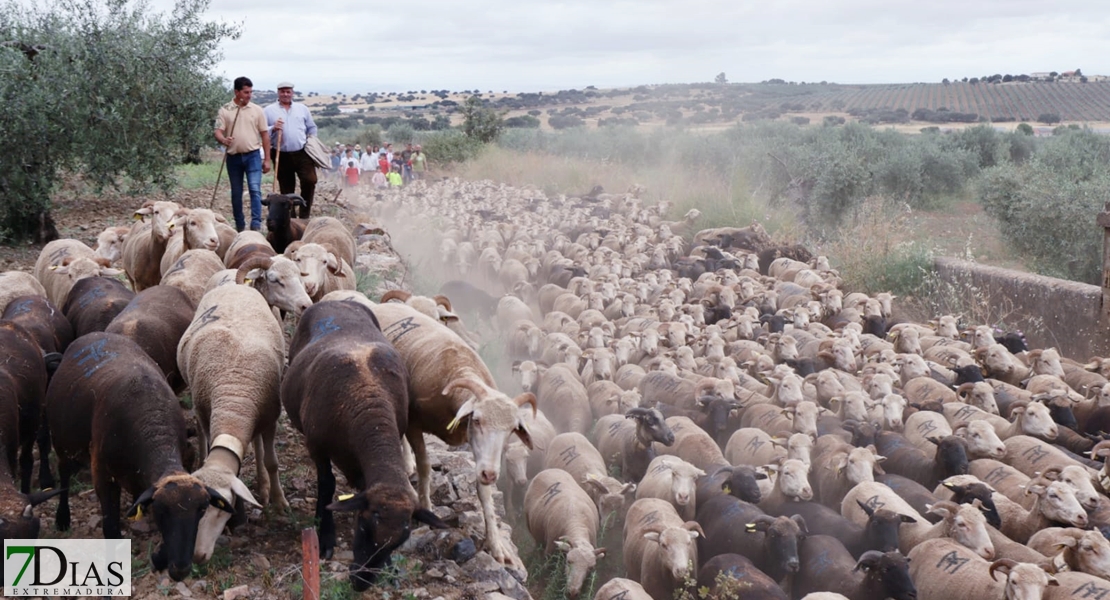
(256, 228)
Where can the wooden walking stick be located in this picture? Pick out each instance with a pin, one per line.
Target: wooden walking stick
(277, 161)
(212, 202)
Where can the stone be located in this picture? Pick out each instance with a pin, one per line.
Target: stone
(345, 556)
(260, 561)
(435, 573)
(241, 542)
(239, 591)
(200, 585)
(183, 589)
(142, 526)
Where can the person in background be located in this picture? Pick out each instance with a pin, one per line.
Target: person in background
(383, 162)
(394, 178)
(358, 151)
(352, 173)
(378, 180)
(241, 128)
(336, 160)
(406, 163)
(369, 162)
(419, 162)
(294, 121)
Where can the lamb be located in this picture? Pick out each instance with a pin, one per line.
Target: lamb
(109, 404)
(564, 400)
(449, 386)
(62, 263)
(278, 280)
(674, 480)
(827, 566)
(232, 356)
(965, 523)
(14, 284)
(562, 517)
(191, 272)
(628, 441)
(322, 271)
(155, 319)
(281, 228)
(109, 243)
(347, 383)
(1084, 551)
(733, 571)
(23, 379)
(943, 569)
(659, 547)
(145, 245)
(573, 453)
(333, 235)
(197, 232)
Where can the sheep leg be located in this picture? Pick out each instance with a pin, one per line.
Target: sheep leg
(26, 464)
(108, 493)
(325, 491)
(496, 546)
(61, 516)
(423, 467)
(276, 494)
(46, 478)
(262, 471)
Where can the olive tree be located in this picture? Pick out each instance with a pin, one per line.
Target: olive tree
(481, 122)
(107, 88)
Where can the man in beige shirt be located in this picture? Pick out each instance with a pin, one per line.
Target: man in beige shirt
(246, 123)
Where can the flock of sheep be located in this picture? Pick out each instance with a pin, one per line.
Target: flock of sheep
(747, 427)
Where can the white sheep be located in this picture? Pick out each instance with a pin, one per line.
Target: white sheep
(192, 271)
(672, 479)
(62, 263)
(145, 245)
(14, 284)
(322, 271)
(561, 516)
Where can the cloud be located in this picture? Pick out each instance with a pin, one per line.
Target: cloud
(355, 46)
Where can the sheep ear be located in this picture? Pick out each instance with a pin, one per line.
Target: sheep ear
(562, 545)
(354, 503)
(652, 535)
(240, 489)
(465, 411)
(143, 501)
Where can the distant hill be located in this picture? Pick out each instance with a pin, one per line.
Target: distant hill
(718, 105)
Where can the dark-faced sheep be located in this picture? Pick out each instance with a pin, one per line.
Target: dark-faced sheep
(348, 392)
(109, 405)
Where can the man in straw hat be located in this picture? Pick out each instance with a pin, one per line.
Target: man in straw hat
(241, 128)
(293, 122)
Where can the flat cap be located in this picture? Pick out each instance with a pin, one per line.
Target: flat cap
(285, 84)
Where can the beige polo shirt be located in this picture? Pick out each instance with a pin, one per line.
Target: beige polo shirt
(249, 129)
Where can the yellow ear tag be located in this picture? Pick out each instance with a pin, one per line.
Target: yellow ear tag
(726, 489)
(137, 217)
(247, 281)
(346, 497)
(750, 527)
(453, 424)
(138, 513)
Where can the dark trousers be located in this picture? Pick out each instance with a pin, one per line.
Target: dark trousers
(297, 165)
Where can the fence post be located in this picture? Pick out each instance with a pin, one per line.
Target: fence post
(310, 550)
(1104, 222)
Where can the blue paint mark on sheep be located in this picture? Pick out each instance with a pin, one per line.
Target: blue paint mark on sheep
(208, 316)
(619, 595)
(178, 266)
(19, 308)
(1090, 590)
(926, 427)
(89, 296)
(323, 328)
(755, 444)
(57, 255)
(965, 412)
(94, 356)
(997, 475)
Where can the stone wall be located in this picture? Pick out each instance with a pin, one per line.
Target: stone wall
(1051, 312)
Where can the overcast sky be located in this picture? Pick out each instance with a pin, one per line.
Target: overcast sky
(354, 46)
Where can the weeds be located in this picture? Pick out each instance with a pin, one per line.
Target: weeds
(875, 253)
(220, 560)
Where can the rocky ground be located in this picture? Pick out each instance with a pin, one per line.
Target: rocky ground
(262, 558)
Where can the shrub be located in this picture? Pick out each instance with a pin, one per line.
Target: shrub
(450, 146)
(564, 121)
(479, 121)
(402, 133)
(523, 121)
(1048, 118)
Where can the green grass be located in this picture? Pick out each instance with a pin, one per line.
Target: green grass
(203, 176)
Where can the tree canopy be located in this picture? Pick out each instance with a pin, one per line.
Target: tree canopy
(107, 88)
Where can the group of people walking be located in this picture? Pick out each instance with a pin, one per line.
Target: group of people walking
(378, 165)
(252, 137)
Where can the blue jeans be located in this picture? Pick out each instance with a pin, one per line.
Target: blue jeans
(249, 163)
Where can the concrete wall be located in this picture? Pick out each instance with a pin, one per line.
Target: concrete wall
(1051, 312)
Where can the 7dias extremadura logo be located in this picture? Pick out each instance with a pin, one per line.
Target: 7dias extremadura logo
(67, 568)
